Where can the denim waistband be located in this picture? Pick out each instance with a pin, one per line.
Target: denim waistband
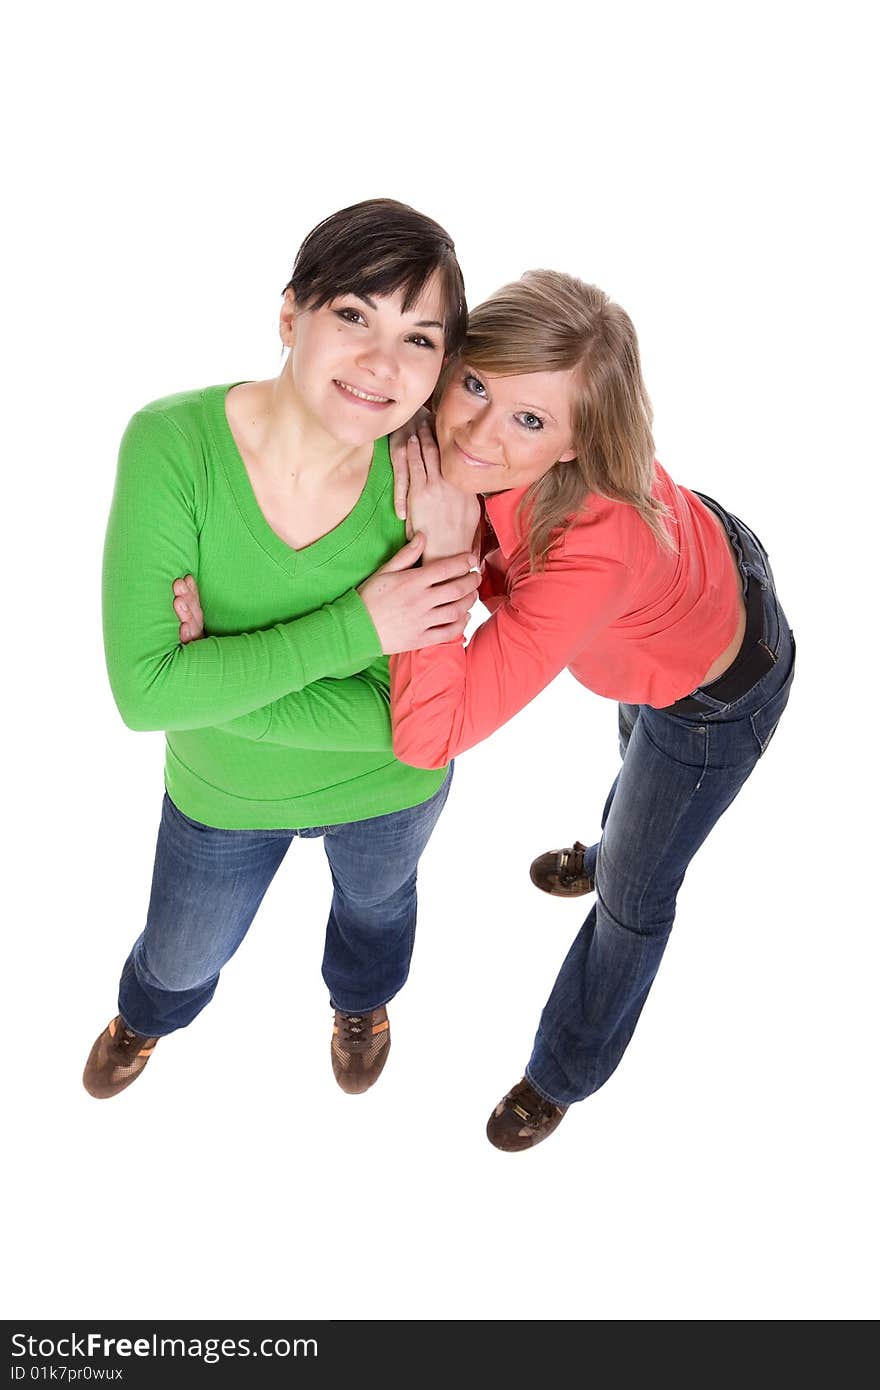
(751, 553)
(758, 651)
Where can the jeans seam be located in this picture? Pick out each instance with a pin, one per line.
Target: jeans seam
(704, 729)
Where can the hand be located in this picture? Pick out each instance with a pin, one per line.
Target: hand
(413, 608)
(448, 516)
(400, 462)
(188, 607)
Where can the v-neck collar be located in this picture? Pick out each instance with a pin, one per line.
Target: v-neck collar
(326, 547)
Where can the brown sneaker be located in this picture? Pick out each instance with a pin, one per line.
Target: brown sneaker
(522, 1119)
(117, 1058)
(359, 1048)
(561, 872)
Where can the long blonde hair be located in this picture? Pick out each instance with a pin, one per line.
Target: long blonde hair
(547, 321)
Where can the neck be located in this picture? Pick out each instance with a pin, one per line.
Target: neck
(289, 442)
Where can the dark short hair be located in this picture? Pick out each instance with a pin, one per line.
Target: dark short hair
(377, 248)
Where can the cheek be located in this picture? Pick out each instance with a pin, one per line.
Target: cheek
(530, 462)
(448, 416)
(430, 373)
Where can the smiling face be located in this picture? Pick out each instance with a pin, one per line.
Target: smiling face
(362, 366)
(499, 432)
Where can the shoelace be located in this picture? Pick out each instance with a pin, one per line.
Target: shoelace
(570, 862)
(536, 1109)
(126, 1039)
(354, 1029)
(353, 1024)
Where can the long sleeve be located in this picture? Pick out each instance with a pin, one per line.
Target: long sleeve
(349, 715)
(152, 536)
(447, 698)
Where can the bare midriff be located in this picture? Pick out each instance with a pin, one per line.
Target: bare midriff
(721, 663)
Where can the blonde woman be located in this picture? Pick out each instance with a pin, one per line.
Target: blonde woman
(651, 595)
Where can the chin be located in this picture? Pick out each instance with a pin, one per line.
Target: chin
(460, 477)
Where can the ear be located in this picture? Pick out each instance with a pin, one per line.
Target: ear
(567, 457)
(286, 318)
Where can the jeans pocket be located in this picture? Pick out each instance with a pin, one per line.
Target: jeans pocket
(765, 719)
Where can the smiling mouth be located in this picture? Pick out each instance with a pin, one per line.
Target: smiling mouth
(367, 397)
(474, 462)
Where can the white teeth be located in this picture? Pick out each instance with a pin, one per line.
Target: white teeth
(363, 395)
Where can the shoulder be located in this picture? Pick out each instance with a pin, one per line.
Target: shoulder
(606, 530)
(186, 414)
(168, 442)
(184, 423)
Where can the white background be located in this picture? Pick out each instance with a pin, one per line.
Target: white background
(707, 166)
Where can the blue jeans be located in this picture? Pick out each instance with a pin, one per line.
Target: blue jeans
(208, 884)
(679, 775)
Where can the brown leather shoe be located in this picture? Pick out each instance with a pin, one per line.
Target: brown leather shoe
(561, 872)
(522, 1119)
(359, 1048)
(117, 1058)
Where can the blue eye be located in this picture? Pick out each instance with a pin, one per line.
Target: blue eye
(477, 386)
(530, 421)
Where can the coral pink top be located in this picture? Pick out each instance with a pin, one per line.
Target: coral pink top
(629, 620)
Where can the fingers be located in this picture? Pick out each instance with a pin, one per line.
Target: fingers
(450, 567)
(430, 454)
(447, 633)
(195, 605)
(405, 556)
(453, 590)
(400, 464)
(448, 614)
(188, 609)
(415, 463)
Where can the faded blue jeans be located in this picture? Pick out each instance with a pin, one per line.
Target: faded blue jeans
(679, 775)
(208, 884)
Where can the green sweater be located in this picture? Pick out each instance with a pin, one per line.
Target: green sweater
(280, 718)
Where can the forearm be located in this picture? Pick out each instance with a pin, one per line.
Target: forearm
(448, 698)
(349, 715)
(158, 684)
(153, 534)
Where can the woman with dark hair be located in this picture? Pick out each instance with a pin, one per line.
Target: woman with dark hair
(651, 594)
(274, 500)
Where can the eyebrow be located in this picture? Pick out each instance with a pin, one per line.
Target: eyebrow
(422, 323)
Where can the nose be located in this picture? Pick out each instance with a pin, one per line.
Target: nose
(482, 427)
(379, 359)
